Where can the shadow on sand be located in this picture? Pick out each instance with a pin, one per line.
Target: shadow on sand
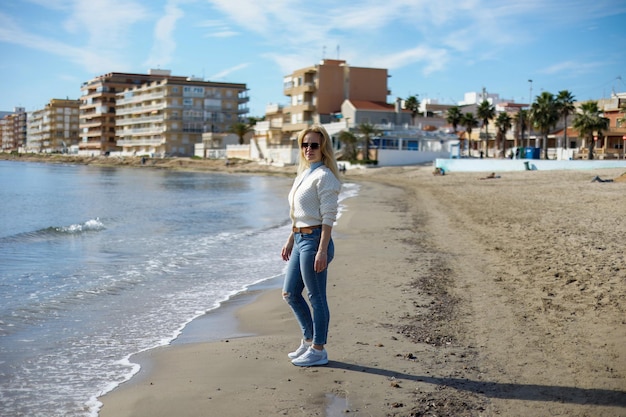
(529, 392)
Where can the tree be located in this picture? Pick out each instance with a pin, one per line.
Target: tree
(544, 114)
(454, 117)
(349, 140)
(413, 104)
(486, 112)
(588, 122)
(565, 103)
(240, 129)
(520, 120)
(367, 131)
(469, 122)
(503, 123)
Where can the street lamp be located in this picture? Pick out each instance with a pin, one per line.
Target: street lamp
(624, 147)
(530, 102)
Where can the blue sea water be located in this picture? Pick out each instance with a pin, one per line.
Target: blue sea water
(100, 263)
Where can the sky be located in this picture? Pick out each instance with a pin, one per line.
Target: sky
(436, 50)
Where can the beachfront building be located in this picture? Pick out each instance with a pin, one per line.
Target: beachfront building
(168, 116)
(611, 144)
(54, 128)
(216, 107)
(98, 106)
(13, 130)
(316, 93)
(270, 142)
(378, 113)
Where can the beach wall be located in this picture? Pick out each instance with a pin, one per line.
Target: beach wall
(502, 165)
(394, 157)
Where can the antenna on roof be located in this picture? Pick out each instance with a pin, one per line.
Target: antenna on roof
(337, 52)
(324, 52)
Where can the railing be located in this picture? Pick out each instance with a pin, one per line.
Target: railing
(141, 142)
(144, 130)
(136, 120)
(140, 109)
(138, 98)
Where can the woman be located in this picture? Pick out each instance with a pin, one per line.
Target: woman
(313, 202)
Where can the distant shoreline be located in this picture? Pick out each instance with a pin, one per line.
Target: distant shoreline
(175, 163)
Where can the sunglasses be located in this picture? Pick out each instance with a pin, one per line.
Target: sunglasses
(310, 145)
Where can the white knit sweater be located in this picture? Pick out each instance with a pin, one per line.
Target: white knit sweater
(314, 200)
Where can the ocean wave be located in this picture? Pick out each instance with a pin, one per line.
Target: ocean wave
(92, 225)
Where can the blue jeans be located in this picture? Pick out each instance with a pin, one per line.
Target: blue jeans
(300, 275)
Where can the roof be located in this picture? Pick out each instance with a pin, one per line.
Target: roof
(374, 106)
(571, 133)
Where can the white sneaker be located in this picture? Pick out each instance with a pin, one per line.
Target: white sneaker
(312, 357)
(300, 351)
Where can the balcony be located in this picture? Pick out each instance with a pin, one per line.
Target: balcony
(291, 89)
(153, 130)
(296, 127)
(140, 109)
(139, 98)
(136, 120)
(141, 142)
(306, 106)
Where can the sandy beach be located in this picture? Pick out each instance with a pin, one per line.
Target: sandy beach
(449, 296)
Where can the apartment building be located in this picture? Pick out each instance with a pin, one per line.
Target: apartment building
(13, 130)
(97, 109)
(223, 104)
(316, 93)
(271, 128)
(55, 128)
(168, 116)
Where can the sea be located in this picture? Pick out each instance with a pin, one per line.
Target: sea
(100, 263)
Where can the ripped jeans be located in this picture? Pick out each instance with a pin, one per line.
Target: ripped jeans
(300, 275)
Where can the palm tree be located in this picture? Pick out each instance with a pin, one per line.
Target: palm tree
(469, 122)
(520, 120)
(367, 130)
(486, 112)
(503, 123)
(240, 129)
(454, 117)
(544, 113)
(588, 121)
(413, 104)
(349, 140)
(565, 102)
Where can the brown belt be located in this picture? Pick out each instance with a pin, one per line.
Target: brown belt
(306, 230)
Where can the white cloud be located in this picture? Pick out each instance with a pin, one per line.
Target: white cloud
(106, 23)
(225, 73)
(570, 68)
(164, 44)
(218, 29)
(432, 59)
(92, 60)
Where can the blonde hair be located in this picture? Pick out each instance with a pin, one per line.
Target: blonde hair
(326, 146)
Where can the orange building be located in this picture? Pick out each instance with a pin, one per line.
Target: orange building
(316, 93)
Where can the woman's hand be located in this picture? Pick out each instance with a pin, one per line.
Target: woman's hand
(321, 261)
(285, 253)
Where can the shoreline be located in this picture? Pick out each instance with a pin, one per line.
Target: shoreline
(238, 166)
